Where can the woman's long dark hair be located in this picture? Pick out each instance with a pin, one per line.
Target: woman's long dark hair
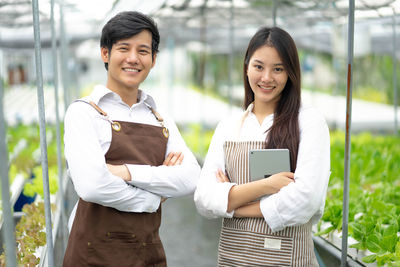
(284, 132)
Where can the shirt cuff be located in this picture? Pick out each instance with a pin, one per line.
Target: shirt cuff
(151, 203)
(271, 214)
(140, 174)
(223, 201)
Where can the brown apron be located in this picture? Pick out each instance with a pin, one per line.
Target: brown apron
(104, 236)
(250, 241)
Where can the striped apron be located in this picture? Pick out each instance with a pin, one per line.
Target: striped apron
(250, 241)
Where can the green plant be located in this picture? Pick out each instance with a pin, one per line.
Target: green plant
(374, 205)
(27, 160)
(29, 235)
(36, 185)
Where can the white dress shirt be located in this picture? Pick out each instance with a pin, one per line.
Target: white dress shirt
(87, 139)
(294, 204)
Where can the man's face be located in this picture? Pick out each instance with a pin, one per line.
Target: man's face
(129, 61)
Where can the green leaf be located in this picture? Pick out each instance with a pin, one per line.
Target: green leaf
(370, 226)
(326, 231)
(388, 242)
(397, 253)
(357, 230)
(390, 230)
(373, 243)
(369, 259)
(358, 246)
(382, 259)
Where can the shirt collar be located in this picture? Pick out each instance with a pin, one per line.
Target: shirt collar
(249, 113)
(250, 107)
(100, 91)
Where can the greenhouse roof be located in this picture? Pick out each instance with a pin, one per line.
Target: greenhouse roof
(195, 22)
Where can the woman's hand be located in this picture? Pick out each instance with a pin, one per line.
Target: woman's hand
(173, 159)
(120, 171)
(221, 177)
(279, 180)
(251, 209)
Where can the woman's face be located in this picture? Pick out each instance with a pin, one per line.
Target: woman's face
(266, 75)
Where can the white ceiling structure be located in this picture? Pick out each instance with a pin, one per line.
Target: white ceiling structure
(312, 23)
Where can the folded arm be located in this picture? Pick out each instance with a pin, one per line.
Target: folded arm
(241, 195)
(251, 209)
(216, 195)
(170, 180)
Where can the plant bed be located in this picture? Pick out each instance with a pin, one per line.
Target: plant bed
(23, 142)
(374, 204)
(331, 254)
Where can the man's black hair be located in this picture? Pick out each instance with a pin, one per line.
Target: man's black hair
(125, 25)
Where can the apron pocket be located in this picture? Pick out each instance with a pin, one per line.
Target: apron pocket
(243, 248)
(121, 237)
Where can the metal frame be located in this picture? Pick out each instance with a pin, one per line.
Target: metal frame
(58, 130)
(346, 182)
(8, 225)
(42, 126)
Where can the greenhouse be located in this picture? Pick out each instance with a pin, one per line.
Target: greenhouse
(50, 56)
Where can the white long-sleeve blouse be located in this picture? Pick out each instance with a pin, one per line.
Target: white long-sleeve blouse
(294, 204)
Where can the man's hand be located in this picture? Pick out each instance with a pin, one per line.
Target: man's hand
(173, 158)
(120, 171)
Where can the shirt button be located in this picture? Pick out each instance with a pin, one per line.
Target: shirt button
(144, 244)
(108, 234)
(88, 243)
(133, 235)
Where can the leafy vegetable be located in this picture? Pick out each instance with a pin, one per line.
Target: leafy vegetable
(374, 205)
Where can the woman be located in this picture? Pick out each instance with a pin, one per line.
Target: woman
(267, 222)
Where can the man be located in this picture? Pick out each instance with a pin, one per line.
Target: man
(123, 158)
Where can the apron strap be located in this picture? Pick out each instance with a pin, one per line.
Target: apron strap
(116, 126)
(96, 107)
(244, 116)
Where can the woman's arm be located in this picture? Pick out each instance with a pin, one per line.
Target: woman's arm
(303, 200)
(211, 196)
(240, 195)
(215, 195)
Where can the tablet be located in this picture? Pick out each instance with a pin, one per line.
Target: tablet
(266, 162)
